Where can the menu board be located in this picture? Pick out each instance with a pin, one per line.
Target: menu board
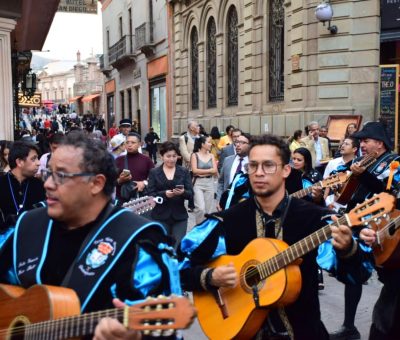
(388, 102)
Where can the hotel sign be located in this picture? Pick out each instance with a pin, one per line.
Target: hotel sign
(78, 6)
(29, 101)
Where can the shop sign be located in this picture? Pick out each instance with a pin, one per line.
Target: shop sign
(78, 6)
(390, 14)
(33, 101)
(388, 101)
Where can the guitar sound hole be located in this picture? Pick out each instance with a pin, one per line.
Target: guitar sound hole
(18, 331)
(392, 230)
(252, 276)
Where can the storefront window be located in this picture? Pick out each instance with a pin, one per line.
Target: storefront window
(159, 110)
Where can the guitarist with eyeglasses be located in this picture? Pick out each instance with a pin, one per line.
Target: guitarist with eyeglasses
(107, 254)
(270, 213)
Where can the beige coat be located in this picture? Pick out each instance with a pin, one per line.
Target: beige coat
(186, 149)
(310, 145)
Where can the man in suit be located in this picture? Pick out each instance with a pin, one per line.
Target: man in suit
(318, 146)
(186, 142)
(228, 150)
(234, 164)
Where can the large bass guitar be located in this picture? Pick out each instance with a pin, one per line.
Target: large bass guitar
(48, 312)
(269, 276)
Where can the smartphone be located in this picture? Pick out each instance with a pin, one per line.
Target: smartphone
(179, 186)
(126, 172)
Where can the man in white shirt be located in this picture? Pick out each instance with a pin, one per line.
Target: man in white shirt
(348, 152)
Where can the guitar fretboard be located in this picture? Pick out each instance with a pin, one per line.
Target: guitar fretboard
(71, 327)
(297, 250)
(304, 192)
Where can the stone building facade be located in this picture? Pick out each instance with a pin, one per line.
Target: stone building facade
(289, 68)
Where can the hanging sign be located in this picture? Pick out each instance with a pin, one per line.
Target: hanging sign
(78, 6)
(33, 101)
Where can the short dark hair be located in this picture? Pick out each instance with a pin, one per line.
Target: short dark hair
(96, 158)
(237, 130)
(268, 139)
(228, 128)
(20, 150)
(56, 138)
(134, 134)
(246, 135)
(214, 133)
(297, 134)
(354, 141)
(168, 146)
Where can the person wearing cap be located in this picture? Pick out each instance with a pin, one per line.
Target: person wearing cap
(117, 145)
(372, 180)
(150, 139)
(125, 126)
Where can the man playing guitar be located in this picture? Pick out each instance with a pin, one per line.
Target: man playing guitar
(270, 213)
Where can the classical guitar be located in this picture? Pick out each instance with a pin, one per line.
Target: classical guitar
(143, 204)
(329, 182)
(387, 247)
(269, 276)
(49, 312)
(352, 183)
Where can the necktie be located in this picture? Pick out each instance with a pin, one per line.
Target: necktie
(239, 167)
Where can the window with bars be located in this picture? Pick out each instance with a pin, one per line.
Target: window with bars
(233, 56)
(194, 64)
(276, 50)
(211, 64)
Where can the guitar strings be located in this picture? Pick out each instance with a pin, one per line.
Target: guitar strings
(84, 319)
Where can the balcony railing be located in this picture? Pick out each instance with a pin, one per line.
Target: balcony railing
(120, 50)
(144, 38)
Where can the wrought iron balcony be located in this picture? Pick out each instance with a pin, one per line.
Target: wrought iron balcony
(121, 53)
(144, 39)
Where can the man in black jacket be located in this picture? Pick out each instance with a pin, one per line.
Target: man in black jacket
(150, 139)
(20, 189)
(271, 213)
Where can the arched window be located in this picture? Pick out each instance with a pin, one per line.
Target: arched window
(276, 45)
(194, 64)
(211, 64)
(233, 56)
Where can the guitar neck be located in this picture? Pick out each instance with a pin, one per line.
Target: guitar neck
(71, 327)
(304, 192)
(297, 250)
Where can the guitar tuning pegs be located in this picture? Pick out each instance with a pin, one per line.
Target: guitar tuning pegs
(146, 332)
(161, 296)
(159, 306)
(168, 332)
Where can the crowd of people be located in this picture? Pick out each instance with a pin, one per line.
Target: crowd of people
(64, 222)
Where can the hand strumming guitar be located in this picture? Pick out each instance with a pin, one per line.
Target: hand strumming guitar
(224, 276)
(356, 169)
(368, 236)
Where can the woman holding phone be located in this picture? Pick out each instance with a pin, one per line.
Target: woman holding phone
(173, 183)
(204, 168)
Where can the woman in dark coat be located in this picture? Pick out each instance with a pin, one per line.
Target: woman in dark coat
(173, 183)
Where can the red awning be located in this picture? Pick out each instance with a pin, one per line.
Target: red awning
(90, 97)
(74, 99)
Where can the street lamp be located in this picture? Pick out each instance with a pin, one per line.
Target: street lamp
(324, 13)
(28, 84)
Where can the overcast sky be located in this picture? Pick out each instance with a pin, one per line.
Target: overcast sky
(71, 32)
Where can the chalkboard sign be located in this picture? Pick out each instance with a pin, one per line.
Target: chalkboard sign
(388, 102)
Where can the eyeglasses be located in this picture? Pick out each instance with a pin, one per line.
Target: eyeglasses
(240, 142)
(59, 177)
(268, 167)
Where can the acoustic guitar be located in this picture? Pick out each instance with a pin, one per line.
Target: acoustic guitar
(49, 312)
(269, 277)
(329, 182)
(387, 248)
(352, 183)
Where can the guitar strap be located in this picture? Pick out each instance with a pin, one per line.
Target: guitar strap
(100, 251)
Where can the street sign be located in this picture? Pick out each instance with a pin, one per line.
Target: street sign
(33, 101)
(78, 6)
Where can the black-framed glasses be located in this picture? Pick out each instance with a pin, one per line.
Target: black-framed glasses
(268, 167)
(240, 142)
(59, 177)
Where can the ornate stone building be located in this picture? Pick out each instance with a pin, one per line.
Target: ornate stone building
(270, 66)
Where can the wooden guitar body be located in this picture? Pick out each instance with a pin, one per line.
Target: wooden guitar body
(20, 307)
(348, 190)
(242, 318)
(387, 252)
